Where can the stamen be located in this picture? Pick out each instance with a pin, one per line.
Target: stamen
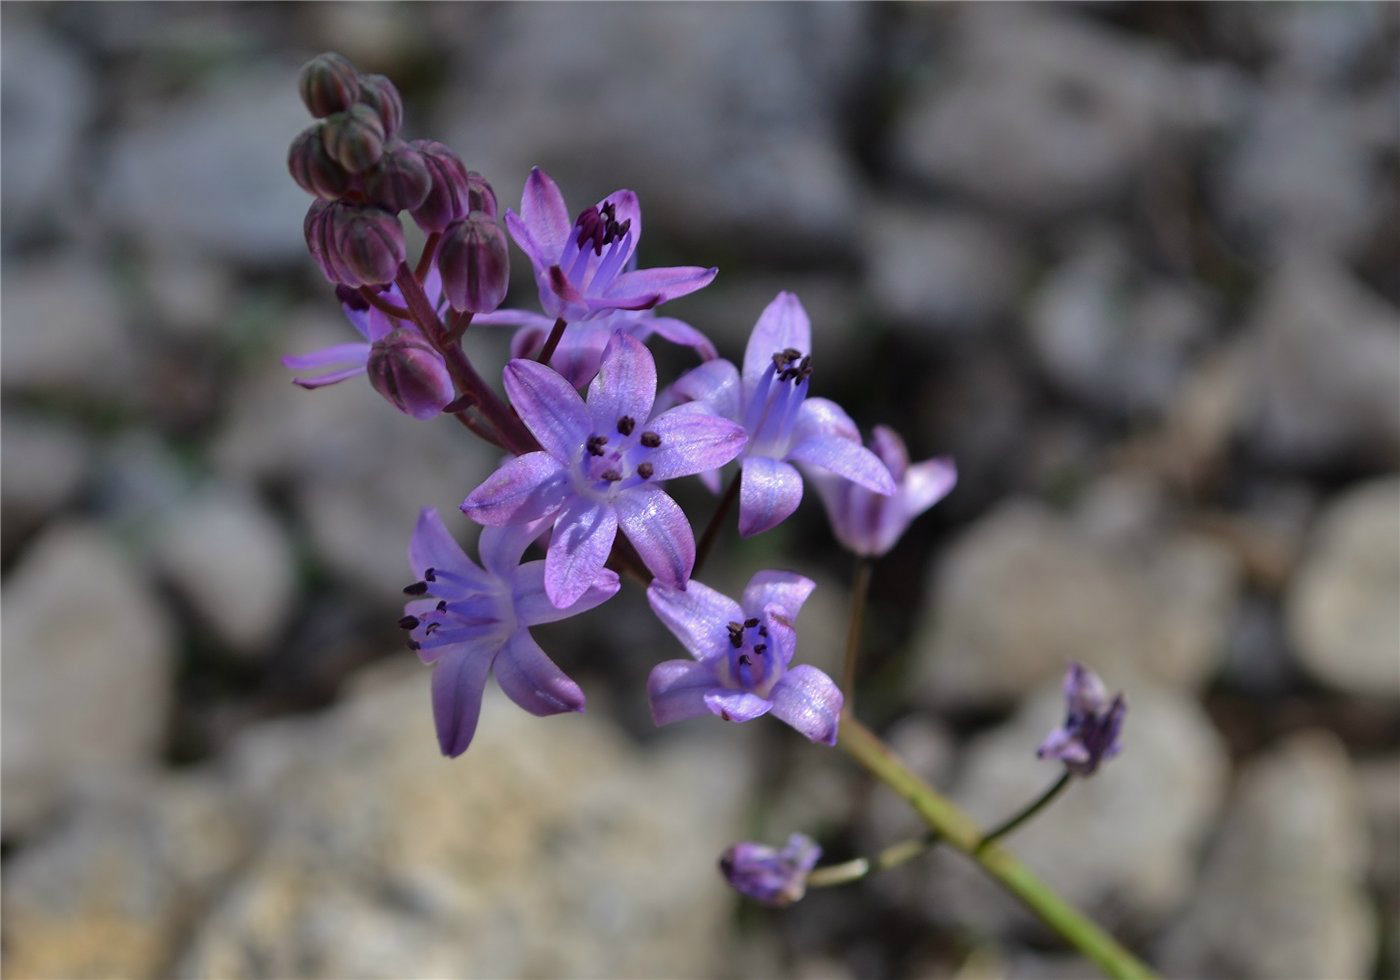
(612, 476)
(645, 470)
(744, 660)
(430, 574)
(442, 605)
(750, 623)
(432, 628)
(414, 645)
(598, 226)
(408, 623)
(417, 588)
(763, 631)
(650, 439)
(626, 424)
(735, 640)
(759, 648)
(595, 445)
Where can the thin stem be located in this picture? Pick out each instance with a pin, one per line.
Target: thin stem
(722, 509)
(552, 343)
(890, 857)
(425, 261)
(958, 829)
(1030, 810)
(457, 324)
(380, 303)
(860, 591)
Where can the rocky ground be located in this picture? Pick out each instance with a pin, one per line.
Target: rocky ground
(1135, 267)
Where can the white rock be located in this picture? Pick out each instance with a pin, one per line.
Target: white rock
(45, 462)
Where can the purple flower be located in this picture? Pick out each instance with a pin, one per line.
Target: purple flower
(601, 466)
(742, 652)
(869, 524)
(476, 619)
(585, 267)
(1092, 725)
(767, 874)
(783, 425)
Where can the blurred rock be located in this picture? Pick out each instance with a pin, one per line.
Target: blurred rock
(928, 749)
(44, 464)
(1379, 782)
(1282, 891)
(191, 296)
(88, 663)
(1321, 43)
(1343, 617)
(231, 561)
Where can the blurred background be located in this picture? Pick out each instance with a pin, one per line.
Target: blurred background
(1136, 267)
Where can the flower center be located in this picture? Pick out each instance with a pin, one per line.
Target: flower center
(597, 249)
(598, 226)
(616, 461)
(776, 398)
(752, 664)
(465, 610)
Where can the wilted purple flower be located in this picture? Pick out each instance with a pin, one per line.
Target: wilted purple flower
(580, 349)
(784, 426)
(742, 651)
(585, 267)
(473, 619)
(769, 875)
(868, 523)
(1092, 725)
(601, 466)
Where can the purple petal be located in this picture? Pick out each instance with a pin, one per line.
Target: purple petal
(810, 702)
(665, 284)
(714, 384)
(926, 483)
(887, 444)
(697, 615)
(322, 380)
(844, 458)
(512, 318)
(457, 685)
(346, 354)
(676, 689)
(532, 680)
(783, 324)
(822, 416)
(736, 706)
(624, 386)
(532, 605)
(583, 538)
(628, 208)
(786, 591)
(545, 216)
(693, 441)
(1064, 746)
(658, 529)
(549, 406)
(769, 491)
(525, 488)
(500, 547)
(673, 330)
(432, 546)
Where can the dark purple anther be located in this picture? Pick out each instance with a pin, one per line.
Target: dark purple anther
(408, 622)
(645, 470)
(328, 84)
(354, 138)
(650, 439)
(626, 424)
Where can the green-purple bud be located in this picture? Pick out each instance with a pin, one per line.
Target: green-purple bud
(313, 169)
(354, 138)
(480, 195)
(410, 374)
(400, 180)
(448, 200)
(475, 264)
(319, 228)
(328, 84)
(377, 92)
(370, 241)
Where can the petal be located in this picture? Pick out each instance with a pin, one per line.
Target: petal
(714, 384)
(545, 215)
(322, 380)
(736, 706)
(540, 257)
(810, 702)
(822, 416)
(676, 689)
(583, 539)
(625, 384)
(786, 591)
(346, 354)
(532, 680)
(769, 491)
(675, 331)
(658, 529)
(525, 488)
(926, 483)
(512, 318)
(783, 324)
(627, 208)
(692, 441)
(549, 406)
(532, 605)
(500, 547)
(432, 546)
(697, 615)
(457, 685)
(887, 444)
(664, 284)
(845, 458)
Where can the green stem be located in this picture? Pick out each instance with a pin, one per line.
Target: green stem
(1040, 803)
(959, 830)
(860, 591)
(890, 857)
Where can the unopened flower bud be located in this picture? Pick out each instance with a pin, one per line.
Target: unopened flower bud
(400, 180)
(377, 92)
(328, 84)
(354, 138)
(313, 169)
(448, 200)
(769, 875)
(480, 195)
(410, 374)
(370, 242)
(475, 264)
(319, 228)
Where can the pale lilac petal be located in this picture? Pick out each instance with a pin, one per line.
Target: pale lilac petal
(769, 491)
(926, 483)
(783, 324)
(625, 385)
(714, 384)
(500, 547)
(675, 331)
(583, 539)
(693, 441)
(737, 706)
(532, 680)
(844, 458)
(433, 546)
(540, 257)
(887, 444)
(782, 636)
(512, 318)
(322, 380)
(810, 702)
(545, 215)
(665, 284)
(658, 529)
(697, 615)
(1062, 745)
(525, 488)
(458, 682)
(711, 480)
(786, 591)
(532, 605)
(823, 417)
(549, 406)
(676, 689)
(346, 354)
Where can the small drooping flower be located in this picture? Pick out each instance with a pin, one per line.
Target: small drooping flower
(742, 654)
(784, 425)
(768, 875)
(585, 267)
(868, 523)
(1093, 724)
(474, 619)
(600, 468)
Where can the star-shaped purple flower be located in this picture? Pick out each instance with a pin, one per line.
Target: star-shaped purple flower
(585, 267)
(784, 426)
(742, 651)
(768, 875)
(474, 620)
(600, 468)
(1093, 724)
(869, 524)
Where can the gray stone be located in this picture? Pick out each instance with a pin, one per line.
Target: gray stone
(1379, 783)
(1282, 892)
(191, 296)
(88, 660)
(1321, 43)
(1342, 615)
(44, 464)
